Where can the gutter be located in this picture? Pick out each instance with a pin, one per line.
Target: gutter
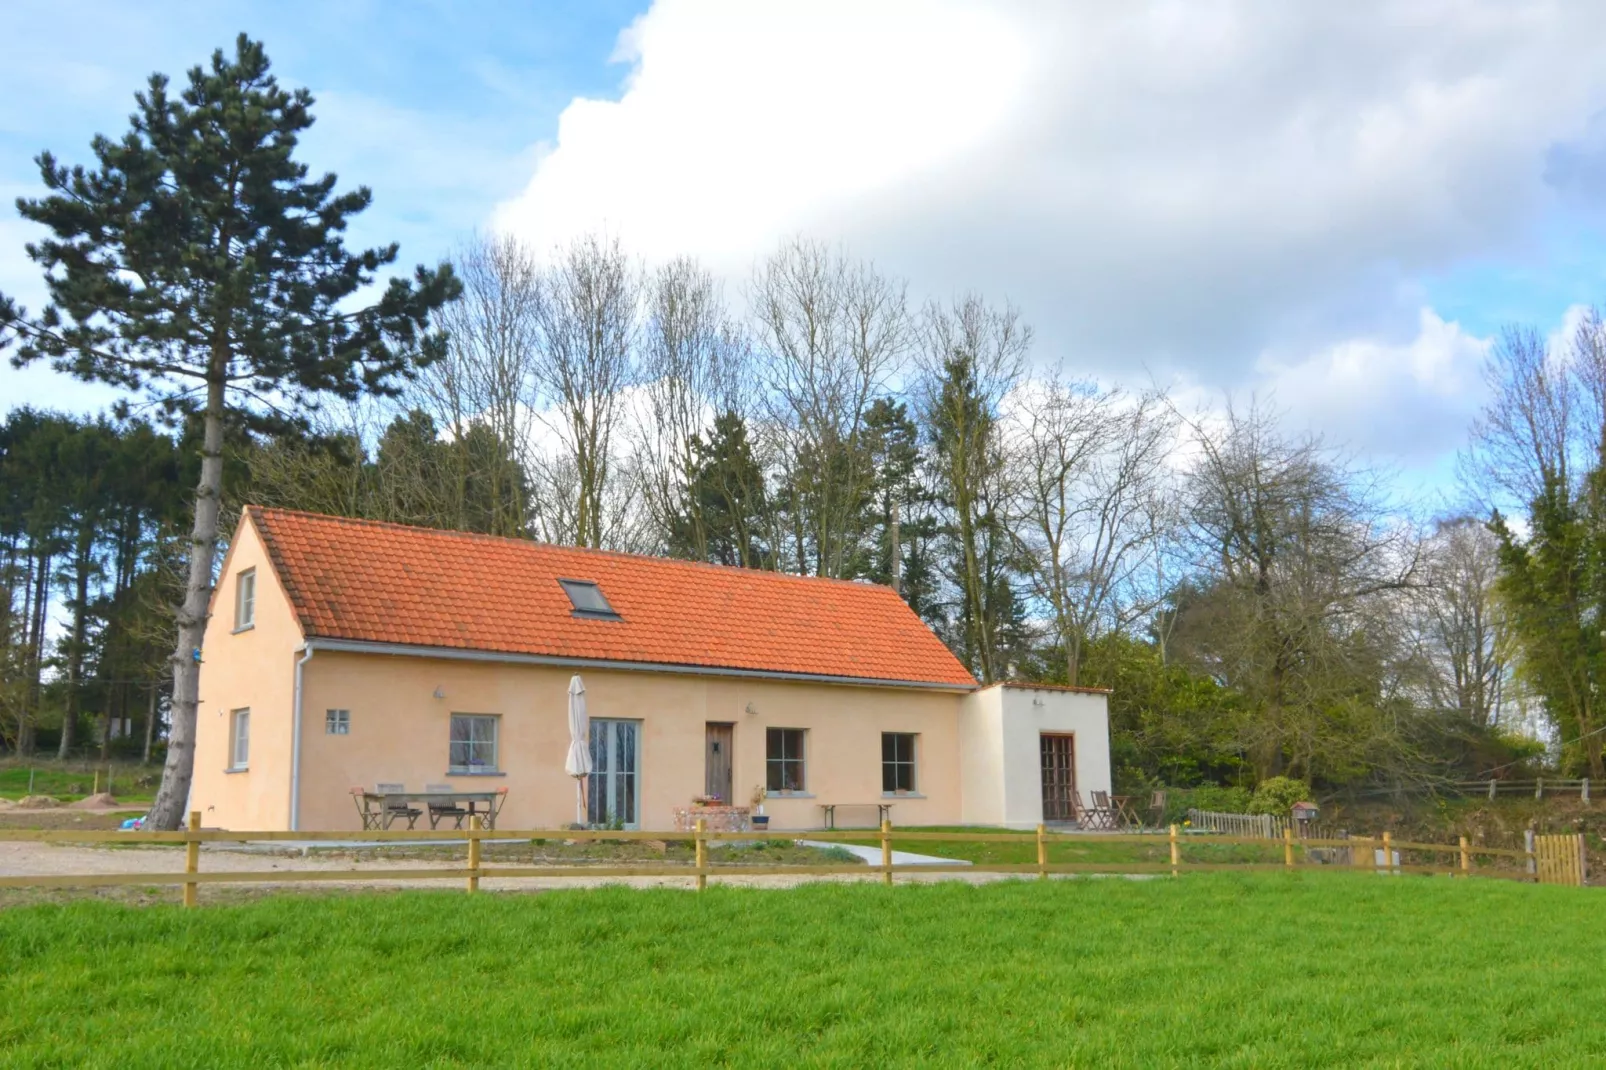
(358, 646)
(295, 743)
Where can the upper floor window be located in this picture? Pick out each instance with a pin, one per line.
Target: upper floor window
(588, 600)
(337, 722)
(240, 739)
(245, 599)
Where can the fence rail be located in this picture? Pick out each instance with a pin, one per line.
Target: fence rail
(1538, 787)
(1546, 859)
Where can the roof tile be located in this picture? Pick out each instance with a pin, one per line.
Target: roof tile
(387, 583)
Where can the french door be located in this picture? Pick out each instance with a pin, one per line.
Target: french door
(614, 785)
(1059, 777)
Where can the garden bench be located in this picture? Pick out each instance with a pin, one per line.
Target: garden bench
(883, 811)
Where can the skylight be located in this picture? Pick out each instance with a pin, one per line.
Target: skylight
(588, 599)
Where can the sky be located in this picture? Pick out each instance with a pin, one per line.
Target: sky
(1331, 208)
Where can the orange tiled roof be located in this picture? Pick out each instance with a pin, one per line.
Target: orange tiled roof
(387, 583)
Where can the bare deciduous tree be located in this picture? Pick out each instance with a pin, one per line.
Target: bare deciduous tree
(694, 365)
(487, 374)
(830, 335)
(587, 324)
(1460, 631)
(1089, 503)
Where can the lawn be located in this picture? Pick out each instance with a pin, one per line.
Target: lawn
(74, 779)
(1211, 969)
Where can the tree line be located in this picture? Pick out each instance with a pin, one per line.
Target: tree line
(1256, 598)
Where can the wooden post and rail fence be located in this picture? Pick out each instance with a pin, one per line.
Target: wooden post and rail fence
(1544, 859)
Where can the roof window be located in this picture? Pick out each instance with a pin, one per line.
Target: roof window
(588, 599)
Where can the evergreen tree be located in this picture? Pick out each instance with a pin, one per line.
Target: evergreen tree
(198, 259)
(726, 500)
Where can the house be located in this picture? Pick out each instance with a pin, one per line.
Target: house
(345, 653)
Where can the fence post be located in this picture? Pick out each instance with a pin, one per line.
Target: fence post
(1528, 846)
(1466, 859)
(473, 853)
(1288, 847)
(1358, 855)
(1042, 852)
(702, 856)
(1584, 791)
(1539, 788)
(1491, 789)
(1583, 860)
(1388, 854)
(886, 851)
(192, 857)
(1176, 852)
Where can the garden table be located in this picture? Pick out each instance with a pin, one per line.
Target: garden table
(379, 809)
(883, 812)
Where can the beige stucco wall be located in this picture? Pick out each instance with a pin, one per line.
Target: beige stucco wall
(399, 733)
(253, 669)
(981, 756)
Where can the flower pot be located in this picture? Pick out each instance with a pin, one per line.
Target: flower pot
(761, 822)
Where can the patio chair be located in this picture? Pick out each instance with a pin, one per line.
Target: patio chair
(372, 816)
(1157, 807)
(397, 805)
(493, 808)
(1101, 815)
(445, 808)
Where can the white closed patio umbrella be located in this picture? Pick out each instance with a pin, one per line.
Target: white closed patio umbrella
(578, 763)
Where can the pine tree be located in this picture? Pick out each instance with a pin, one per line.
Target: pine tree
(196, 258)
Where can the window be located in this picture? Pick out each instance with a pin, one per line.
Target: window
(783, 759)
(245, 599)
(337, 722)
(897, 761)
(588, 600)
(239, 739)
(473, 748)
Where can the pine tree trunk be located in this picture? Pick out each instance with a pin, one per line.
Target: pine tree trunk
(75, 654)
(172, 798)
(150, 727)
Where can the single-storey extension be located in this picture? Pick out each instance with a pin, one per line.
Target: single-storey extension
(346, 654)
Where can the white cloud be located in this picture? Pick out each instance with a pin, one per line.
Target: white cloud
(1408, 401)
(1170, 185)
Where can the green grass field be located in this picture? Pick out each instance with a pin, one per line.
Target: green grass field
(1212, 969)
(72, 780)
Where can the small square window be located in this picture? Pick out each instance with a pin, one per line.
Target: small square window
(337, 722)
(473, 743)
(588, 600)
(245, 599)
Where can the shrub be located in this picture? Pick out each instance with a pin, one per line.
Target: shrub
(1278, 796)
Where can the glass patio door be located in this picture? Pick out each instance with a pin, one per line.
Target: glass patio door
(615, 773)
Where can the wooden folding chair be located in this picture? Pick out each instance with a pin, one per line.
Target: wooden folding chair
(398, 807)
(372, 816)
(449, 808)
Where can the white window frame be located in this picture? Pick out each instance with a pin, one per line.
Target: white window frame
(240, 739)
(245, 600)
(470, 768)
(337, 722)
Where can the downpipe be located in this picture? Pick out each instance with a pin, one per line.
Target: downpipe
(295, 743)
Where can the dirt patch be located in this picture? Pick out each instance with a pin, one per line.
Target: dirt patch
(38, 802)
(77, 820)
(99, 801)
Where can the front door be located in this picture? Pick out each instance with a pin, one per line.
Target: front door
(1059, 777)
(717, 761)
(614, 798)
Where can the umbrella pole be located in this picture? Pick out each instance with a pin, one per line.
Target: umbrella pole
(579, 800)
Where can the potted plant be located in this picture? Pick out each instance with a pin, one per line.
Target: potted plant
(760, 819)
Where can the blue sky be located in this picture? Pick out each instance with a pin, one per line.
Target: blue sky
(1331, 206)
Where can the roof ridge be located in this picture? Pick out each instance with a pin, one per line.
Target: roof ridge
(479, 536)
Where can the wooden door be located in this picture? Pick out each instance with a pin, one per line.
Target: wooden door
(1059, 777)
(717, 761)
